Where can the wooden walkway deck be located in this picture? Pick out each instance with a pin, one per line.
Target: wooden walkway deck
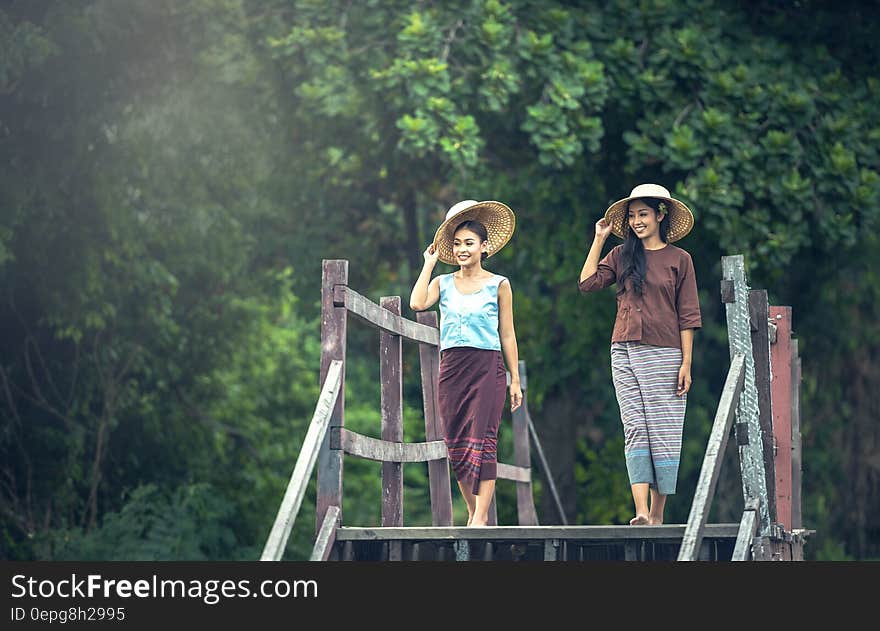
(529, 543)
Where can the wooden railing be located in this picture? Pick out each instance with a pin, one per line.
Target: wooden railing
(762, 391)
(329, 447)
(748, 526)
(305, 464)
(693, 534)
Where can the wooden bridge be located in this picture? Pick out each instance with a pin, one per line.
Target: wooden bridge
(761, 392)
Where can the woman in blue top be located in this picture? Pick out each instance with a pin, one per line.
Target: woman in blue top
(476, 326)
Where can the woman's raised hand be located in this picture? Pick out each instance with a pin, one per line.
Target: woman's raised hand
(431, 254)
(603, 228)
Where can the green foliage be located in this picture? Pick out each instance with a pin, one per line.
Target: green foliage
(601, 474)
(189, 524)
(173, 176)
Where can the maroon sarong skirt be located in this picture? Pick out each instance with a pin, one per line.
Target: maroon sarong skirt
(471, 392)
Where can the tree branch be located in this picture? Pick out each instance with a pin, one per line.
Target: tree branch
(449, 39)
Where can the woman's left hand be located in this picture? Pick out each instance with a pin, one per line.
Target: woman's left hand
(684, 380)
(515, 397)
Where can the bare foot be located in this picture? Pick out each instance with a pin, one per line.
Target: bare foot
(655, 522)
(477, 524)
(639, 520)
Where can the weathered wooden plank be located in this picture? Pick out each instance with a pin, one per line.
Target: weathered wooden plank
(662, 533)
(334, 323)
(305, 463)
(515, 473)
(728, 292)
(326, 535)
(707, 551)
(545, 467)
(780, 384)
(798, 539)
(796, 473)
(526, 513)
(438, 470)
(551, 550)
(712, 460)
(374, 314)
(395, 551)
(758, 316)
(348, 551)
(489, 551)
(748, 526)
(750, 447)
(379, 450)
(631, 550)
(391, 402)
(763, 549)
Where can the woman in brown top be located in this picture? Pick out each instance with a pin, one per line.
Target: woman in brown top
(652, 340)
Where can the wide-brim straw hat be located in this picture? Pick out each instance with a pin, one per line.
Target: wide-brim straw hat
(681, 219)
(498, 218)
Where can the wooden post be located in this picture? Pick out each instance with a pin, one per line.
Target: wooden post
(326, 536)
(334, 320)
(796, 474)
(438, 470)
(758, 316)
(525, 502)
(551, 549)
(747, 526)
(748, 428)
(780, 361)
(391, 377)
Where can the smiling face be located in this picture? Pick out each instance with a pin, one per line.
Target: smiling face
(643, 220)
(467, 248)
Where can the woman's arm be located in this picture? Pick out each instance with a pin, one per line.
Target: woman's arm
(603, 229)
(426, 291)
(684, 373)
(508, 341)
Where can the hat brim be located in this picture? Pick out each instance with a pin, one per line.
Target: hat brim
(497, 217)
(681, 219)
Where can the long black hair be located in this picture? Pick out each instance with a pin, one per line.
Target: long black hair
(478, 229)
(632, 256)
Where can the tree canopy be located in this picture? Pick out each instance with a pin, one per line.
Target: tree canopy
(173, 175)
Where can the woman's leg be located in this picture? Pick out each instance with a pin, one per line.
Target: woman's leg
(469, 498)
(656, 369)
(635, 430)
(658, 502)
(640, 499)
(489, 455)
(483, 502)
(459, 371)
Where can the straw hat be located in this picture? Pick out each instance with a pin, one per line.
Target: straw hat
(681, 219)
(497, 217)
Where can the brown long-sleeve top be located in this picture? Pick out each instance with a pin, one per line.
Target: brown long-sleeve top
(668, 303)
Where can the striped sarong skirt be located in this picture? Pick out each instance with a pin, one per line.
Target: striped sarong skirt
(645, 380)
(471, 393)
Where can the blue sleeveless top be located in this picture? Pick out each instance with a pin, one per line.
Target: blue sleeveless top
(469, 319)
